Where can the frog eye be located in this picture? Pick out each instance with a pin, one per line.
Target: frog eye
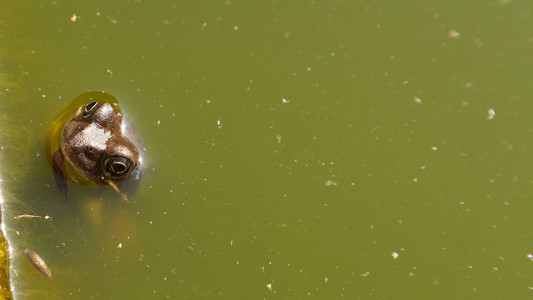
(117, 166)
(89, 109)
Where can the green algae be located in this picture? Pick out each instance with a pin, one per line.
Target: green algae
(5, 288)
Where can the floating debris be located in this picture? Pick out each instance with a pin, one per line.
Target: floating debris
(331, 183)
(492, 113)
(454, 33)
(395, 255)
(74, 18)
(26, 216)
(38, 263)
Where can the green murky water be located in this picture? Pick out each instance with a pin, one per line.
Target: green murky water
(308, 149)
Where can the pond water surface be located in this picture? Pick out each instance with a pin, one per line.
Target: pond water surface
(301, 149)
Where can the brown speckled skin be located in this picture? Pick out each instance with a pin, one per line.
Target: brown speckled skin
(88, 142)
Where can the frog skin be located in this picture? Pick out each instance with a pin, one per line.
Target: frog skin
(89, 143)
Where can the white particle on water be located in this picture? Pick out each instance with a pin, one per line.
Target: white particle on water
(119, 245)
(491, 114)
(395, 255)
(530, 255)
(284, 101)
(331, 183)
(454, 33)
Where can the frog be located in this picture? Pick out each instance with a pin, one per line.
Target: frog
(89, 142)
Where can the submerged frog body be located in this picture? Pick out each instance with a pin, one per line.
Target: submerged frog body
(90, 144)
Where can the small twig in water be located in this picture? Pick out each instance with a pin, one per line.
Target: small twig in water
(26, 216)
